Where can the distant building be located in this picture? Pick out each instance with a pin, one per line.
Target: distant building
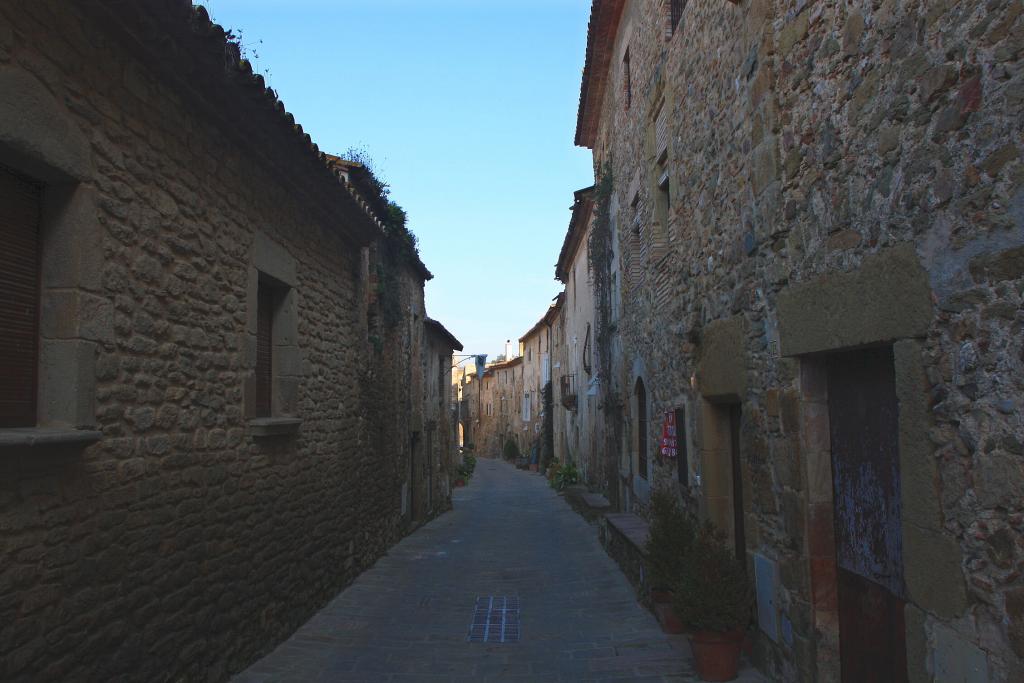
(535, 350)
(439, 457)
(500, 419)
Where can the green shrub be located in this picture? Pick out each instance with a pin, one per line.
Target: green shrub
(465, 470)
(671, 536)
(566, 476)
(511, 452)
(712, 593)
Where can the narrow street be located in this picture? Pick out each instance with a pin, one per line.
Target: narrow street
(407, 618)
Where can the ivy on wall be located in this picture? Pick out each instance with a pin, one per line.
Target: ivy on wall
(547, 428)
(600, 253)
(398, 248)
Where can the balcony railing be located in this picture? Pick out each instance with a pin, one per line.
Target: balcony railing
(567, 391)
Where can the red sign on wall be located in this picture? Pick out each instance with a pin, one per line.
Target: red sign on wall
(669, 443)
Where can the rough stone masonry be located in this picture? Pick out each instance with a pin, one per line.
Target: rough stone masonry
(796, 178)
(157, 523)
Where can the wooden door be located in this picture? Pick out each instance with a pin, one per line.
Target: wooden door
(739, 527)
(413, 443)
(864, 423)
(430, 469)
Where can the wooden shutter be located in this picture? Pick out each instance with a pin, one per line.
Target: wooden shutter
(264, 350)
(20, 202)
(661, 138)
(676, 11)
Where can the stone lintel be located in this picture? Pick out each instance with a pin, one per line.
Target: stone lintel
(722, 369)
(886, 299)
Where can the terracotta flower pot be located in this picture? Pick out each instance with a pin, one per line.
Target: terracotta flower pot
(533, 467)
(717, 655)
(459, 482)
(670, 622)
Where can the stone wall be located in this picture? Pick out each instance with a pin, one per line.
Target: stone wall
(182, 545)
(442, 456)
(579, 424)
(502, 389)
(840, 174)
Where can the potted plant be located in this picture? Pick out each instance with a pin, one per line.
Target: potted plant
(511, 451)
(464, 471)
(670, 537)
(714, 600)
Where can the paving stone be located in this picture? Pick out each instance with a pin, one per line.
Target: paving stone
(407, 618)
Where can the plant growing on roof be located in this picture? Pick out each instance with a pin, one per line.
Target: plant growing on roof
(398, 248)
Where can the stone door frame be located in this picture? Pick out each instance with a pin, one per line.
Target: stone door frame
(887, 301)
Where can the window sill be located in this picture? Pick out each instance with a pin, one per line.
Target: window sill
(45, 437)
(274, 426)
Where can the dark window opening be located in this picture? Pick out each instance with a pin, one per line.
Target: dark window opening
(627, 82)
(269, 295)
(641, 426)
(20, 209)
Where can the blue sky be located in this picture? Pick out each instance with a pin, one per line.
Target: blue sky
(468, 108)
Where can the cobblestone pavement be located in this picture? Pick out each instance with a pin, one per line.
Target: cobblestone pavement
(407, 618)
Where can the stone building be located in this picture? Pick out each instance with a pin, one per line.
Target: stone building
(439, 449)
(206, 401)
(462, 401)
(535, 349)
(500, 401)
(578, 424)
(811, 262)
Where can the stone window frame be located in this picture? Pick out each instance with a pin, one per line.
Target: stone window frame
(40, 140)
(639, 486)
(273, 264)
(658, 153)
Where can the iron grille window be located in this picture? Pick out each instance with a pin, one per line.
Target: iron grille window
(20, 209)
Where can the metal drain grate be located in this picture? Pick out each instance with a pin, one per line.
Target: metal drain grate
(495, 620)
